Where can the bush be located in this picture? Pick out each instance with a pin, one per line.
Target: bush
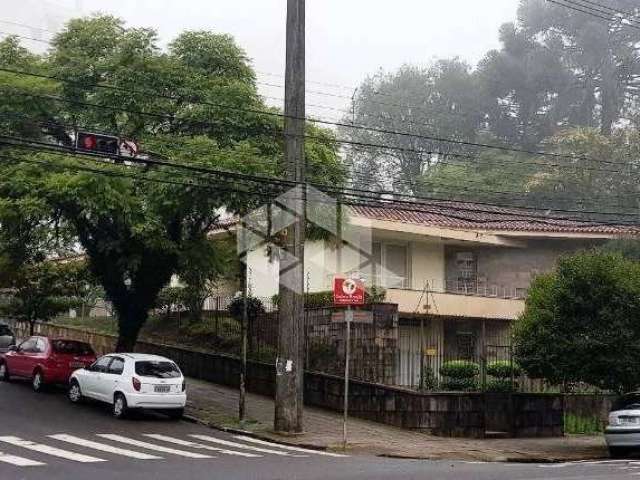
(503, 369)
(255, 308)
(325, 299)
(459, 385)
(501, 385)
(322, 356)
(460, 369)
(429, 380)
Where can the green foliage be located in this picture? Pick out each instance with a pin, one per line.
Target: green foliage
(501, 385)
(580, 323)
(503, 369)
(429, 380)
(325, 298)
(322, 356)
(459, 385)
(170, 298)
(137, 234)
(39, 291)
(578, 425)
(460, 369)
(255, 308)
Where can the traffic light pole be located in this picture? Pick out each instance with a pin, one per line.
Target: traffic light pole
(290, 365)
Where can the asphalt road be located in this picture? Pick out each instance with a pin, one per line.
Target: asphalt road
(43, 437)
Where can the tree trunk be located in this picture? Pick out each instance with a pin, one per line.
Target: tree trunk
(32, 327)
(129, 324)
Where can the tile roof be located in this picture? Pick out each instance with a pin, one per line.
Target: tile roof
(473, 216)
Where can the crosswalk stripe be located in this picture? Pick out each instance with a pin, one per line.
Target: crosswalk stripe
(207, 438)
(19, 461)
(103, 447)
(185, 443)
(287, 447)
(53, 451)
(151, 446)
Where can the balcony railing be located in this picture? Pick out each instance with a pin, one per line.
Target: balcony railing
(484, 290)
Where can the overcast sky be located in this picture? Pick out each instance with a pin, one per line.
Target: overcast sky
(346, 39)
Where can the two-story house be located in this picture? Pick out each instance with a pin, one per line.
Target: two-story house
(459, 272)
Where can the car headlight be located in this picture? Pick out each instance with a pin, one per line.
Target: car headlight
(613, 419)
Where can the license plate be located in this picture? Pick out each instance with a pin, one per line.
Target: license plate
(76, 365)
(162, 388)
(628, 420)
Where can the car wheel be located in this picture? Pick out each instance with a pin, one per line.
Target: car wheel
(618, 452)
(175, 413)
(37, 381)
(120, 409)
(4, 372)
(74, 394)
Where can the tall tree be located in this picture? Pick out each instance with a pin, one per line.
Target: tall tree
(439, 101)
(528, 89)
(196, 103)
(579, 323)
(602, 55)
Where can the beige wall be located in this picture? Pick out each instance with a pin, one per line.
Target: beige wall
(514, 268)
(453, 305)
(427, 265)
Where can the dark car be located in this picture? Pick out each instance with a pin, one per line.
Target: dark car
(7, 338)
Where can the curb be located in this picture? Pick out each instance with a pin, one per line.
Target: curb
(246, 433)
(501, 459)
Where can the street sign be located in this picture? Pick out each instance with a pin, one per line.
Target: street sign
(348, 291)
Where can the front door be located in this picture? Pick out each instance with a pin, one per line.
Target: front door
(94, 377)
(18, 361)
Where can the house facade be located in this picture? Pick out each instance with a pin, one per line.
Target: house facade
(458, 272)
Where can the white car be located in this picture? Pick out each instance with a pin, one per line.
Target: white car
(132, 381)
(623, 432)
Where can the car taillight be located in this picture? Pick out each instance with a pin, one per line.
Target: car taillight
(136, 384)
(184, 385)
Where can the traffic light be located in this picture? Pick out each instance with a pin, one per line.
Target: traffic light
(94, 142)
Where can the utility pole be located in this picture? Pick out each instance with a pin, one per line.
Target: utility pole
(242, 398)
(290, 366)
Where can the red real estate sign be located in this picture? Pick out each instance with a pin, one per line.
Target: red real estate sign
(348, 291)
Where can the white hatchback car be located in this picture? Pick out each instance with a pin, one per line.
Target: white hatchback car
(132, 381)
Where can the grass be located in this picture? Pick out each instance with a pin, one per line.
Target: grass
(576, 425)
(106, 325)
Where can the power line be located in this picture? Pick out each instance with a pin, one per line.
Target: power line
(331, 141)
(363, 176)
(312, 120)
(613, 9)
(589, 11)
(25, 37)
(342, 191)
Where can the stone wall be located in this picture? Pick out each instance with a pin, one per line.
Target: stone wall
(446, 414)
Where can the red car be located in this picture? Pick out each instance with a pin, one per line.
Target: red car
(45, 361)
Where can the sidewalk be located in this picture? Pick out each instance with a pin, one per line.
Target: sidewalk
(217, 406)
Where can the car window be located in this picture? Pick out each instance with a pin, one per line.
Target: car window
(628, 402)
(158, 369)
(71, 347)
(5, 331)
(101, 365)
(28, 346)
(117, 366)
(41, 346)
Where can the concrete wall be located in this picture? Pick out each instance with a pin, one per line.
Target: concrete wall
(446, 414)
(514, 267)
